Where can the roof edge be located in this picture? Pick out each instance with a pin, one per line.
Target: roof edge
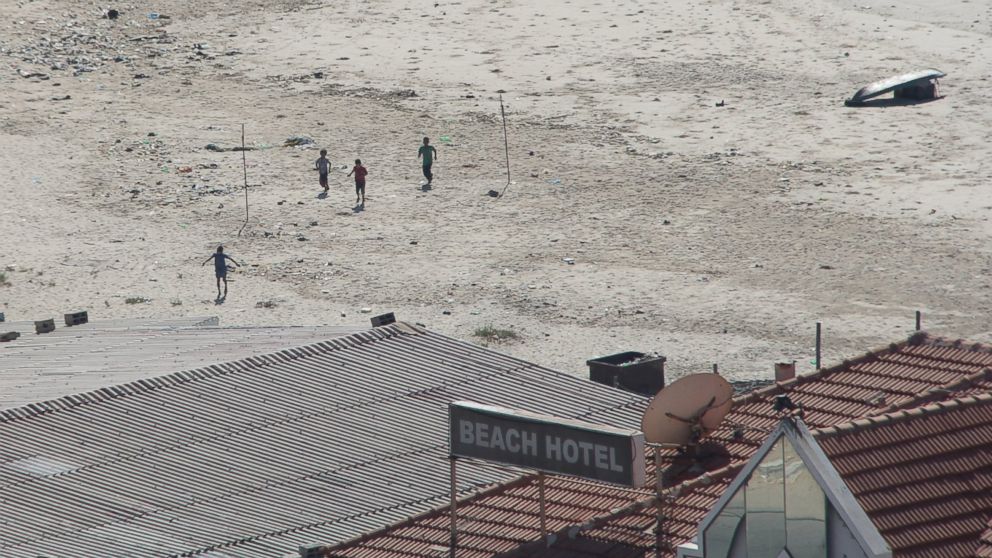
(901, 415)
(181, 377)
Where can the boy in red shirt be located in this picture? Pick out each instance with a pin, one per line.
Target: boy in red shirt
(359, 171)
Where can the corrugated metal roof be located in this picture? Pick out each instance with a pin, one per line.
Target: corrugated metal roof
(256, 457)
(91, 356)
(907, 375)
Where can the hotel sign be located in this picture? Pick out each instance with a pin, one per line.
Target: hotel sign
(546, 443)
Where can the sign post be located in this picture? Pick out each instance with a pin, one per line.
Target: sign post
(543, 442)
(546, 443)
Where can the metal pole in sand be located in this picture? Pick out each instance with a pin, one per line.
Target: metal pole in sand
(819, 340)
(244, 164)
(506, 145)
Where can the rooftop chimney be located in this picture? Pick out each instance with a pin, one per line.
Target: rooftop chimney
(785, 371)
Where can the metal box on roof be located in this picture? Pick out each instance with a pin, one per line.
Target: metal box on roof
(631, 371)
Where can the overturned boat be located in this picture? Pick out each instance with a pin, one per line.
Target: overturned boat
(917, 86)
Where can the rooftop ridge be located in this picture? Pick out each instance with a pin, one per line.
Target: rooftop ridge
(902, 415)
(776, 388)
(214, 370)
(937, 393)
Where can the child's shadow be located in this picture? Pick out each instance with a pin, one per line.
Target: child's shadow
(358, 208)
(220, 299)
(322, 196)
(425, 188)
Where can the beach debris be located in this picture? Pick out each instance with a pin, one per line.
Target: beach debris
(569, 261)
(297, 141)
(265, 304)
(721, 103)
(112, 14)
(366, 310)
(216, 148)
(26, 74)
(492, 194)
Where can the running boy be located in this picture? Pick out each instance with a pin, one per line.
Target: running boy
(220, 268)
(429, 154)
(359, 171)
(323, 166)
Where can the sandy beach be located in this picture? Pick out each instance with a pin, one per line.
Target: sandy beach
(685, 177)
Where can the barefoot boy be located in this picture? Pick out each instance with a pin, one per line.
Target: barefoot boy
(220, 268)
(429, 154)
(359, 171)
(323, 166)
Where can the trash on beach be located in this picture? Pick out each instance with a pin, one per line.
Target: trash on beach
(296, 141)
(913, 86)
(445, 139)
(219, 149)
(184, 170)
(553, 181)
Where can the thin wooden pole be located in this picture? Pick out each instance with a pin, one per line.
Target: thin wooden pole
(454, 508)
(919, 320)
(543, 507)
(244, 165)
(506, 145)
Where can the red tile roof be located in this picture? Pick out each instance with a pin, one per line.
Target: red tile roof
(921, 370)
(923, 476)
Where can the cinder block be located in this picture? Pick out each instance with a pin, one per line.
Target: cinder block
(44, 326)
(9, 336)
(77, 318)
(383, 319)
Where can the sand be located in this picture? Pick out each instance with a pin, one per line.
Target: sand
(641, 215)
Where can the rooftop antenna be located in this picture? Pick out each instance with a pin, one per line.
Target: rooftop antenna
(679, 416)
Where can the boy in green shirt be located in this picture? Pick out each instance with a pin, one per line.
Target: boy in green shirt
(429, 154)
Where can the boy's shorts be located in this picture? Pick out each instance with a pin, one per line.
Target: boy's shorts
(323, 180)
(359, 187)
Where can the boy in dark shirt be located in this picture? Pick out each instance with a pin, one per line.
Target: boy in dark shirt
(323, 166)
(359, 171)
(429, 154)
(220, 268)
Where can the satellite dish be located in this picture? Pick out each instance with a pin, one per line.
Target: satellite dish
(687, 410)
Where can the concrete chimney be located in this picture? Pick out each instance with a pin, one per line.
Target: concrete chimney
(785, 371)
